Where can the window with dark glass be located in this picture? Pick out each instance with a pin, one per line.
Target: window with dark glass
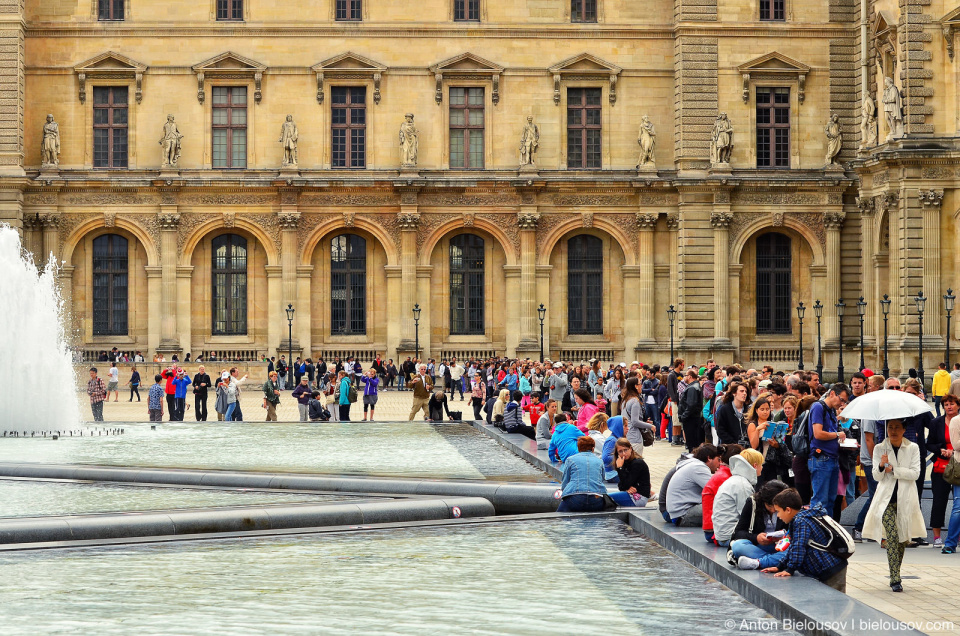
(109, 127)
(772, 10)
(466, 10)
(466, 285)
(348, 115)
(349, 9)
(229, 274)
(585, 285)
(348, 285)
(583, 10)
(229, 9)
(466, 127)
(774, 270)
(229, 127)
(110, 285)
(773, 127)
(584, 113)
(110, 9)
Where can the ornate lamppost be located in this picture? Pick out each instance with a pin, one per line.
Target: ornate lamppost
(818, 312)
(885, 305)
(921, 300)
(671, 315)
(800, 310)
(861, 311)
(416, 324)
(841, 306)
(542, 313)
(290, 312)
(948, 300)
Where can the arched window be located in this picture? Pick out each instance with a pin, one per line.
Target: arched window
(466, 285)
(585, 285)
(348, 285)
(229, 275)
(110, 285)
(774, 266)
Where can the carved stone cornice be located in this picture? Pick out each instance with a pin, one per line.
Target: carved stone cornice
(721, 220)
(834, 220)
(527, 220)
(931, 198)
(647, 221)
(168, 220)
(409, 221)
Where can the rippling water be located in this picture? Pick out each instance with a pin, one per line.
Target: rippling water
(578, 577)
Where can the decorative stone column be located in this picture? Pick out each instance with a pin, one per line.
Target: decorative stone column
(169, 220)
(184, 309)
(528, 343)
(409, 221)
(276, 325)
(50, 222)
(867, 250)
(673, 224)
(303, 319)
(154, 282)
(930, 201)
(289, 218)
(643, 299)
(721, 283)
(833, 222)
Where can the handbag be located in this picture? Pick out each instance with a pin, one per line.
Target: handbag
(951, 474)
(648, 437)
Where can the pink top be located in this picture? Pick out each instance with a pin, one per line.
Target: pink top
(955, 437)
(586, 412)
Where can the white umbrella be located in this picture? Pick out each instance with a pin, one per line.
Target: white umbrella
(885, 404)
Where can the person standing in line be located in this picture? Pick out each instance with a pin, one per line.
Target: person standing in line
(422, 388)
(271, 397)
(690, 411)
(311, 370)
(281, 370)
(169, 374)
(113, 383)
(371, 383)
(134, 383)
(298, 370)
(941, 385)
(673, 395)
(938, 443)
(270, 365)
(235, 382)
(825, 437)
(456, 374)
(98, 393)
(302, 394)
(201, 385)
(180, 384)
(953, 531)
(344, 402)
(477, 395)
(155, 400)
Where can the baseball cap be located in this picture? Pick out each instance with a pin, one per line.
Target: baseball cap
(557, 365)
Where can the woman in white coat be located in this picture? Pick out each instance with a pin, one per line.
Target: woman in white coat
(895, 513)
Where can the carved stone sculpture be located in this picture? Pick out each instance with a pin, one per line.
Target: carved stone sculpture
(648, 144)
(834, 138)
(529, 143)
(170, 143)
(50, 147)
(721, 142)
(409, 136)
(892, 109)
(868, 122)
(289, 135)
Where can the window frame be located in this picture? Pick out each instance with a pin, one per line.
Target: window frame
(584, 127)
(583, 11)
(587, 302)
(464, 129)
(112, 7)
(770, 127)
(229, 126)
(355, 308)
(473, 278)
(349, 107)
(111, 107)
(352, 10)
(779, 322)
(112, 273)
(772, 8)
(234, 10)
(229, 273)
(468, 9)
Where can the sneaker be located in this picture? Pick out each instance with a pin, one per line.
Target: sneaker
(857, 536)
(938, 542)
(948, 550)
(746, 563)
(732, 561)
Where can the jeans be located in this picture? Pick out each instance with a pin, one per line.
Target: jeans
(626, 500)
(824, 478)
(304, 410)
(767, 555)
(456, 385)
(401, 381)
(344, 412)
(581, 503)
(281, 381)
(228, 416)
(936, 404)
(180, 406)
(953, 533)
(171, 407)
(97, 409)
(134, 388)
(871, 488)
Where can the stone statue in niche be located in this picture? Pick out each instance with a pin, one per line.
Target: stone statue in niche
(892, 109)
(50, 147)
(834, 138)
(289, 135)
(647, 139)
(408, 142)
(170, 143)
(529, 143)
(721, 142)
(868, 122)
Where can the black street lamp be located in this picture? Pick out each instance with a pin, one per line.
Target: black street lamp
(948, 300)
(921, 300)
(818, 312)
(290, 312)
(542, 313)
(672, 315)
(800, 310)
(840, 307)
(885, 305)
(862, 311)
(416, 324)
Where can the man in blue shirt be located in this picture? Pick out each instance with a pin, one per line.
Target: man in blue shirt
(825, 438)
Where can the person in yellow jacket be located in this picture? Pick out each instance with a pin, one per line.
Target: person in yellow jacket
(941, 385)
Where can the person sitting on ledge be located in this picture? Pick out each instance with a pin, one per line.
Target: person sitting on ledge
(582, 481)
(513, 417)
(563, 443)
(758, 520)
(685, 493)
(722, 474)
(545, 426)
(733, 494)
(634, 476)
(437, 405)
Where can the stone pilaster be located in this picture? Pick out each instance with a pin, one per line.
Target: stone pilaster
(12, 65)
(169, 220)
(154, 283)
(51, 235)
(276, 318)
(833, 222)
(695, 81)
(645, 289)
(394, 309)
(303, 319)
(289, 218)
(867, 250)
(930, 202)
(527, 221)
(720, 220)
(184, 301)
(409, 220)
(513, 279)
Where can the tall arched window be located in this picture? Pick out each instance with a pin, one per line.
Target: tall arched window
(585, 285)
(348, 285)
(774, 306)
(229, 274)
(110, 285)
(466, 285)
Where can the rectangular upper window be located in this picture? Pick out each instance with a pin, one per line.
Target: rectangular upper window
(109, 127)
(466, 10)
(229, 9)
(772, 10)
(348, 117)
(349, 10)
(229, 127)
(773, 127)
(584, 115)
(466, 127)
(110, 10)
(583, 10)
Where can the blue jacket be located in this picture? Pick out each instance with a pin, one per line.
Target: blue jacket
(180, 387)
(563, 443)
(610, 471)
(510, 382)
(583, 475)
(615, 424)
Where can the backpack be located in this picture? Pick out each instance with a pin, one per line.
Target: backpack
(839, 542)
(800, 442)
(352, 394)
(303, 368)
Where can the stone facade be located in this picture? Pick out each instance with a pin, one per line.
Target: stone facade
(682, 233)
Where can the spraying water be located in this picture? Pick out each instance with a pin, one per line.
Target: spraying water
(37, 383)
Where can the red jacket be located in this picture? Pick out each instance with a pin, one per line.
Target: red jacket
(535, 411)
(168, 388)
(710, 492)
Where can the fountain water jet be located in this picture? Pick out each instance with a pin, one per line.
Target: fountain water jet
(36, 370)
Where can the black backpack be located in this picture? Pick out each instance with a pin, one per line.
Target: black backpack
(800, 442)
(839, 543)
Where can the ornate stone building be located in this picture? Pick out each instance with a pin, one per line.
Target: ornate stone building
(680, 152)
